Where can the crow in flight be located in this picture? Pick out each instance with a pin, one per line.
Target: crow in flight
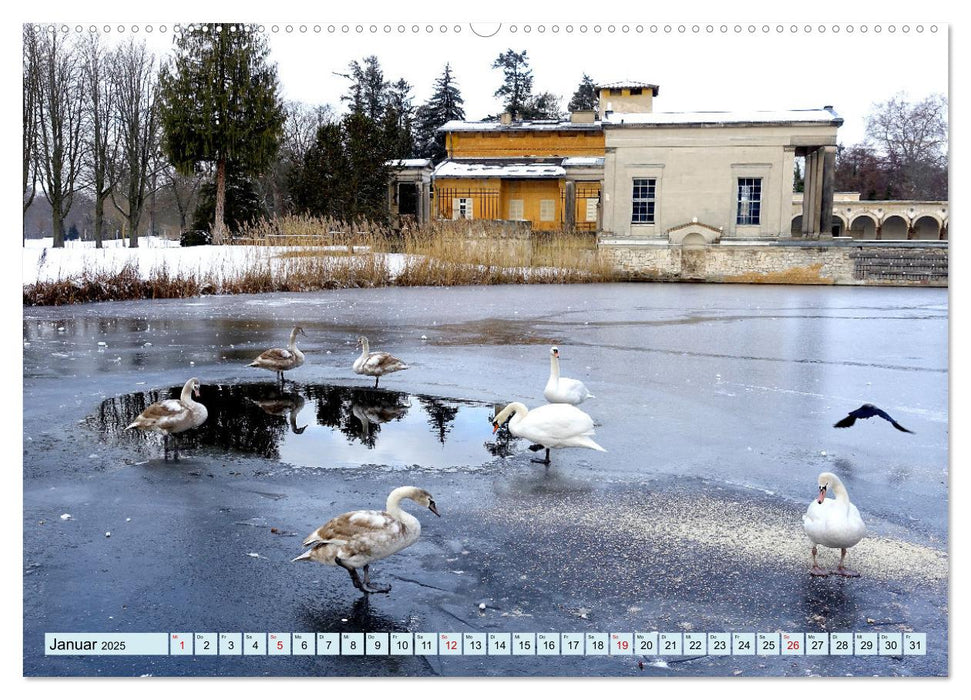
(868, 410)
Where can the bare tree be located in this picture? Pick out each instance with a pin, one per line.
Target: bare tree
(135, 81)
(31, 61)
(184, 190)
(60, 116)
(101, 147)
(912, 138)
(299, 134)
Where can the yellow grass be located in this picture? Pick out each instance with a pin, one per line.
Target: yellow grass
(307, 254)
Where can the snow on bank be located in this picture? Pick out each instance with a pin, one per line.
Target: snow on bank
(43, 263)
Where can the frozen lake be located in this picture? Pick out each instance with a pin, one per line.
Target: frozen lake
(715, 403)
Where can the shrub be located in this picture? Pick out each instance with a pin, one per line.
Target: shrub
(195, 237)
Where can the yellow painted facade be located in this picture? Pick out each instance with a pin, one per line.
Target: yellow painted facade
(521, 143)
(540, 201)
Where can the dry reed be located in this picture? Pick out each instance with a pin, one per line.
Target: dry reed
(293, 254)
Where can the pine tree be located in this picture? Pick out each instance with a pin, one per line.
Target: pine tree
(368, 172)
(319, 184)
(221, 104)
(368, 90)
(545, 105)
(517, 82)
(585, 97)
(444, 106)
(399, 117)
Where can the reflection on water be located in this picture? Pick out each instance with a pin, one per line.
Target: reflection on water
(320, 425)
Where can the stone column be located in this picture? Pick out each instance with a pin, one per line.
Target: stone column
(818, 191)
(570, 205)
(809, 195)
(826, 195)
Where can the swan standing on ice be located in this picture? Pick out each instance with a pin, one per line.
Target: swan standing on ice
(560, 389)
(549, 426)
(376, 364)
(173, 416)
(360, 537)
(833, 522)
(280, 360)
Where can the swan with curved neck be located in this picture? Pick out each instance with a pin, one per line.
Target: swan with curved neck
(376, 364)
(561, 389)
(280, 360)
(833, 522)
(173, 416)
(554, 425)
(354, 540)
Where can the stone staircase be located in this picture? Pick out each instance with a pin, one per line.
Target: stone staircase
(900, 265)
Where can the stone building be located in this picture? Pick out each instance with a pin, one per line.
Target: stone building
(631, 172)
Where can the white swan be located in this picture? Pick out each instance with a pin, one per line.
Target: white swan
(560, 389)
(552, 425)
(376, 364)
(360, 537)
(173, 416)
(833, 522)
(280, 360)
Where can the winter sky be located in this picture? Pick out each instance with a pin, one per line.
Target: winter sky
(700, 63)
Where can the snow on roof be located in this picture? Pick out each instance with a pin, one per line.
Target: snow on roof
(411, 163)
(804, 116)
(536, 125)
(500, 168)
(583, 162)
(620, 84)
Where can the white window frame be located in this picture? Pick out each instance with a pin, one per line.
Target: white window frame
(648, 187)
(462, 208)
(517, 210)
(547, 210)
(592, 209)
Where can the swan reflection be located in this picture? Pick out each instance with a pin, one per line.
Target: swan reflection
(287, 405)
(318, 425)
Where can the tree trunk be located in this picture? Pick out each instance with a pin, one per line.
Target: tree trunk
(218, 227)
(57, 224)
(99, 221)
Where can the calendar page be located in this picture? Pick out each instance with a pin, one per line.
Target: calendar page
(415, 346)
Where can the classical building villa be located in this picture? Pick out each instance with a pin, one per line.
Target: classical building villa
(677, 195)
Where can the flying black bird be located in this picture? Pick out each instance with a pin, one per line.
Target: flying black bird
(868, 410)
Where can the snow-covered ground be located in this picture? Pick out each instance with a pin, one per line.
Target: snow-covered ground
(43, 263)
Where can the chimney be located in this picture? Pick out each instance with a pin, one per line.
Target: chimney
(506, 118)
(583, 116)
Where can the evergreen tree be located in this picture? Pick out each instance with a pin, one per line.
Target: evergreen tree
(517, 82)
(399, 120)
(221, 104)
(368, 170)
(368, 90)
(585, 97)
(242, 204)
(546, 105)
(345, 174)
(319, 184)
(444, 106)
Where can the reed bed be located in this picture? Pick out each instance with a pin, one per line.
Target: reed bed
(297, 254)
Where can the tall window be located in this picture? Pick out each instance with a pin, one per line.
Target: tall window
(643, 200)
(749, 201)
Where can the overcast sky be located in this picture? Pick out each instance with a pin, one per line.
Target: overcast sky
(699, 66)
(696, 70)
